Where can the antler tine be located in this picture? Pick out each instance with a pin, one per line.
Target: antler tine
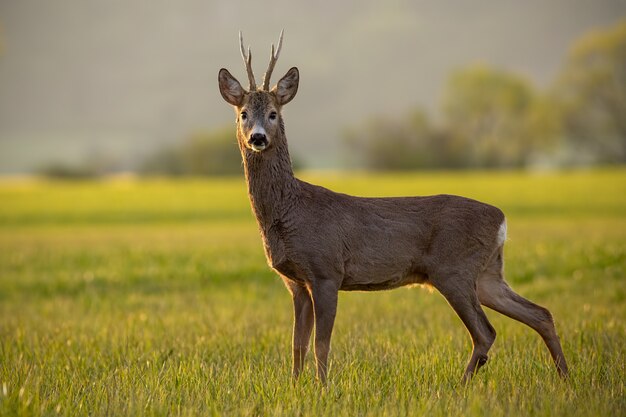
(247, 60)
(273, 59)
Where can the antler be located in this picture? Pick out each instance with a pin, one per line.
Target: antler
(247, 59)
(273, 59)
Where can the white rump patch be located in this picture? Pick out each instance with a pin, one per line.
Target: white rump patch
(502, 233)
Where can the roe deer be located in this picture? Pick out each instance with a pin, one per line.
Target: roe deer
(320, 242)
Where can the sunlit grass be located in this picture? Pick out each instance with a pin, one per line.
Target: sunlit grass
(154, 298)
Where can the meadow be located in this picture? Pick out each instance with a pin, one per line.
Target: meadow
(152, 297)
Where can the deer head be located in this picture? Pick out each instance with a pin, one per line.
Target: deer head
(258, 110)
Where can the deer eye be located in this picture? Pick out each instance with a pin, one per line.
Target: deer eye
(273, 115)
(244, 115)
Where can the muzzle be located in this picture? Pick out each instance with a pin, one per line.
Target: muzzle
(258, 142)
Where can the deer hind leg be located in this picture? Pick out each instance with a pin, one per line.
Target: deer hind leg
(460, 292)
(495, 293)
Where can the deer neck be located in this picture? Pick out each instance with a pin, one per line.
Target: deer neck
(272, 188)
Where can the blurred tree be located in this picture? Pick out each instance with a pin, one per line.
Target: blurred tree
(62, 171)
(165, 161)
(496, 119)
(212, 153)
(93, 165)
(491, 119)
(591, 90)
(203, 153)
(390, 144)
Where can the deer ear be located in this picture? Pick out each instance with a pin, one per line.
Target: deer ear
(287, 87)
(230, 88)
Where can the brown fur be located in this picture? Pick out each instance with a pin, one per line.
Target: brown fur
(321, 242)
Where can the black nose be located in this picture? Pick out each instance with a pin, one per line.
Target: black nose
(258, 139)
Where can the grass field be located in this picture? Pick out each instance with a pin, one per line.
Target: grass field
(152, 297)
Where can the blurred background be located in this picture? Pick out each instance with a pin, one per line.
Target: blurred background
(92, 88)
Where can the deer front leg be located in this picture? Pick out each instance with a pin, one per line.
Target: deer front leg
(302, 326)
(325, 294)
(460, 292)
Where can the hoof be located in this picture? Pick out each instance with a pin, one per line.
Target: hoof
(481, 361)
